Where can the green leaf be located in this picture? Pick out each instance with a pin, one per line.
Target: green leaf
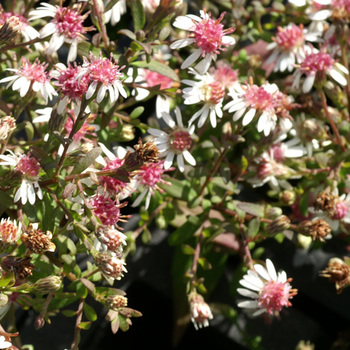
(84, 325)
(6, 279)
(251, 208)
(69, 313)
(163, 69)
(115, 325)
(89, 313)
(253, 227)
(137, 112)
(304, 204)
(85, 161)
(128, 33)
(186, 231)
(110, 4)
(89, 285)
(138, 14)
(187, 249)
(204, 263)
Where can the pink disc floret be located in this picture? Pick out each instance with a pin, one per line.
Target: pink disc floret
(69, 22)
(28, 166)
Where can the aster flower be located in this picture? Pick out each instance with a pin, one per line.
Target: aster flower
(109, 238)
(107, 210)
(225, 75)
(110, 265)
(208, 36)
(205, 90)
(289, 46)
(200, 311)
(250, 100)
(319, 64)
(65, 27)
(29, 168)
(175, 141)
(271, 170)
(339, 9)
(148, 79)
(270, 291)
(31, 76)
(148, 177)
(28, 32)
(71, 89)
(104, 75)
(114, 14)
(9, 231)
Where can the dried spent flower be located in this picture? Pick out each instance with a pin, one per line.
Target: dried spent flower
(317, 229)
(9, 30)
(21, 267)
(338, 271)
(37, 241)
(325, 201)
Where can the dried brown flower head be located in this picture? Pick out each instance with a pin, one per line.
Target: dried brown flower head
(148, 151)
(7, 125)
(279, 225)
(21, 267)
(316, 229)
(326, 201)
(338, 272)
(37, 241)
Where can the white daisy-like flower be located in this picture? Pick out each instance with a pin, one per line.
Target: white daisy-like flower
(174, 142)
(270, 291)
(104, 75)
(114, 14)
(250, 100)
(321, 64)
(207, 34)
(205, 90)
(29, 167)
(31, 76)
(289, 46)
(65, 27)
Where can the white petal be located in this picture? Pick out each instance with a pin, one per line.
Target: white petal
(178, 44)
(249, 304)
(189, 158)
(247, 293)
(191, 58)
(184, 22)
(262, 272)
(338, 77)
(271, 269)
(204, 65)
(248, 117)
(308, 83)
(169, 160)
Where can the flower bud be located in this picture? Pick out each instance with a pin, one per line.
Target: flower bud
(279, 225)
(287, 197)
(7, 125)
(273, 213)
(200, 311)
(9, 30)
(47, 285)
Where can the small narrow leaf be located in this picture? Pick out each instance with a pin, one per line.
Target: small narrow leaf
(138, 14)
(90, 313)
(85, 161)
(251, 208)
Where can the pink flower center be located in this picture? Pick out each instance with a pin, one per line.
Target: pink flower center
(180, 140)
(103, 70)
(28, 166)
(225, 75)
(274, 296)
(278, 153)
(70, 86)
(34, 72)
(340, 210)
(153, 79)
(269, 167)
(258, 98)
(341, 4)
(6, 15)
(106, 210)
(69, 22)
(151, 173)
(208, 34)
(316, 62)
(213, 93)
(111, 184)
(290, 37)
